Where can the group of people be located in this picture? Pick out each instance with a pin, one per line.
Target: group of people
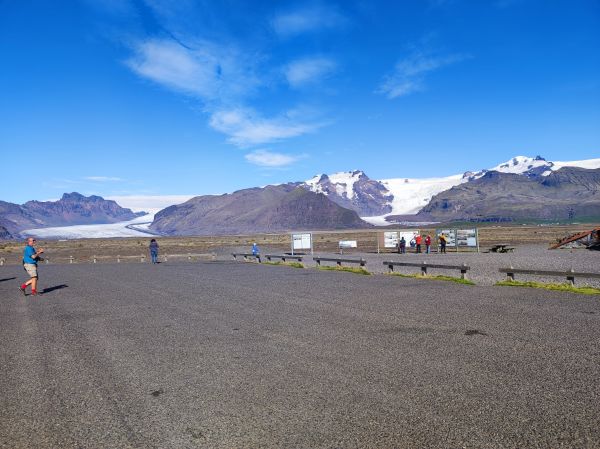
(417, 241)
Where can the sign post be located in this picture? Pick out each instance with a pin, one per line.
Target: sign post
(302, 241)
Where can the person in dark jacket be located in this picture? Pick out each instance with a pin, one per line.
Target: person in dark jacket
(153, 251)
(402, 246)
(428, 244)
(443, 242)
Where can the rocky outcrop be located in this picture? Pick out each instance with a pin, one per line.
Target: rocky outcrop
(269, 209)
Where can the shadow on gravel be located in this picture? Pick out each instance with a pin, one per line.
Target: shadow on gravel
(56, 287)
(8, 279)
(471, 332)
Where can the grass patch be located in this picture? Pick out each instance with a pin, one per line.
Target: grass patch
(435, 278)
(552, 286)
(286, 264)
(348, 269)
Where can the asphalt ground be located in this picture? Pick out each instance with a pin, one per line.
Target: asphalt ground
(241, 355)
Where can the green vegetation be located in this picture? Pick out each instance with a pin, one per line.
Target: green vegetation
(348, 269)
(435, 278)
(566, 287)
(287, 264)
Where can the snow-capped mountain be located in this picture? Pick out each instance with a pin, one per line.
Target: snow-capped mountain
(353, 190)
(375, 200)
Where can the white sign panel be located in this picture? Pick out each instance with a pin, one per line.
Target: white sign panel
(301, 241)
(390, 239)
(408, 236)
(348, 244)
(466, 237)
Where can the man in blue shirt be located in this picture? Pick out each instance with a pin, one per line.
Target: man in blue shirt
(30, 260)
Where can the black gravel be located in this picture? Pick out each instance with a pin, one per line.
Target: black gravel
(242, 355)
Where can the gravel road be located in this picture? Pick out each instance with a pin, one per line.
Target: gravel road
(225, 355)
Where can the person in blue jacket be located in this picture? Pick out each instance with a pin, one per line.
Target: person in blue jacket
(31, 257)
(255, 250)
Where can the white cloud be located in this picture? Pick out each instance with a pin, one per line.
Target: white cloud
(266, 158)
(308, 70)
(204, 70)
(307, 20)
(103, 178)
(409, 73)
(247, 128)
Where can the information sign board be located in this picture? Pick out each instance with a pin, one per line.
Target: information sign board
(466, 237)
(301, 241)
(390, 239)
(348, 244)
(450, 236)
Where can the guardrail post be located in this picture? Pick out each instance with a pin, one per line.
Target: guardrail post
(319, 262)
(189, 257)
(70, 259)
(463, 271)
(46, 261)
(390, 267)
(570, 277)
(94, 258)
(165, 257)
(424, 269)
(118, 259)
(1, 261)
(143, 259)
(510, 276)
(339, 263)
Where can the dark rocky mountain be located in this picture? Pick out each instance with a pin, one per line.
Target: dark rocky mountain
(4, 234)
(269, 209)
(569, 192)
(353, 190)
(71, 209)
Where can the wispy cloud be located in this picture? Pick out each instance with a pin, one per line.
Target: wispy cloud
(246, 127)
(409, 73)
(204, 70)
(102, 178)
(307, 71)
(307, 20)
(266, 158)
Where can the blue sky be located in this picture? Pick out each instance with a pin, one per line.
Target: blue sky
(166, 97)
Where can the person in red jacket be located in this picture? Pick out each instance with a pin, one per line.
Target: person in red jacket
(418, 240)
(427, 244)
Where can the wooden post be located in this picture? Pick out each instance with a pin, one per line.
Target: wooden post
(1, 261)
(463, 271)
(143, 259)
(510, 276)
(189, 257)
(118, 259)
(390, 268)
(571, 278)
(94, 258)
(165, 257)
(339, 263)
(70, 259)
(46, 260)
(424, 269)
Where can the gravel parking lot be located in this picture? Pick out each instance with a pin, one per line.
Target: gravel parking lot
(223, 354)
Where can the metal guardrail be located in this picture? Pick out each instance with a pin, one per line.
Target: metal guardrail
(246, 256)
(569, 275)
(283, 257)
(339, 261)
(425, 266)
(142, 258)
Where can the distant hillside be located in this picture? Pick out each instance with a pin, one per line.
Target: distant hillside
(269, 209)
(71, 209)
(562, 194)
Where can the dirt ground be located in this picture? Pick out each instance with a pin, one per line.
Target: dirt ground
(134, 248)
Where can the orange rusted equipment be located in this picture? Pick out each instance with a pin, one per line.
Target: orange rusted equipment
(592, 241)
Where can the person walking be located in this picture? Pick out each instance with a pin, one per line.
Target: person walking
(443, 242)
(428, 244)
(418, 240)
(31, 257)
(153, 250)
(256, 251)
